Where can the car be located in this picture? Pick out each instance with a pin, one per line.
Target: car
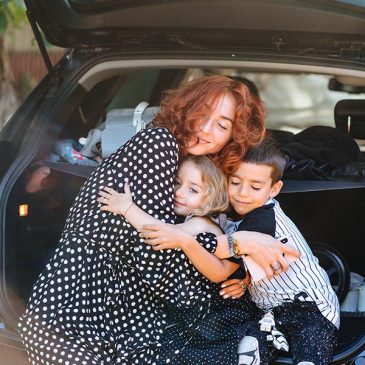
(307, 60)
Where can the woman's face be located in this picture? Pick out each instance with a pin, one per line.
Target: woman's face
(188, 189)
(215, 131)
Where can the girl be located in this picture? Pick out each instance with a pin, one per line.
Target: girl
(200, 191)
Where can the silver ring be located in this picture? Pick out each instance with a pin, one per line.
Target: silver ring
(276, 267)
(243, 286)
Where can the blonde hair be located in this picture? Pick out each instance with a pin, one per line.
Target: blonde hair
(215, 197)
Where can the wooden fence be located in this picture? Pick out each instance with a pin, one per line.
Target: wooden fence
(28, 68)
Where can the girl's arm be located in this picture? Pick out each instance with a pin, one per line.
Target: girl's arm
(206, 263)
(122, 203)
(210, 266)
(262, 248)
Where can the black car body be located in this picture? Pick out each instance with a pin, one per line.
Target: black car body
(120, 53)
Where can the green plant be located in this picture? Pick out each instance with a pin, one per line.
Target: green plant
(11, 12)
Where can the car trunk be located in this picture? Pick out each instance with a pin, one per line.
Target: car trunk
(330, 213)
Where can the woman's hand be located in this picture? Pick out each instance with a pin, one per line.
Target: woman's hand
(115, 202)
(164, 236)
(268, 252)
(262, 248)
(234, 288)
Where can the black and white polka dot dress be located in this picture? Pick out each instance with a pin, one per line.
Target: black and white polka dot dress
(106, 297)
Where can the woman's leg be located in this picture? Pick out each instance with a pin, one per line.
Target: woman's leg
(99, 295)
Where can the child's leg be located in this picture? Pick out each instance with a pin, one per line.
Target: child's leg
(312, 337)
(254, 348)
(248, 351)
(315, 342)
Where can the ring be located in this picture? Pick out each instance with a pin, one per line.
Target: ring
(243, 286)
(276, 267)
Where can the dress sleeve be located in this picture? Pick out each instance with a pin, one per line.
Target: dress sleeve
(148, 161)
(150, 165)
(208, 240)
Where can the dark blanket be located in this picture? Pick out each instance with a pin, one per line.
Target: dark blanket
(320, 153)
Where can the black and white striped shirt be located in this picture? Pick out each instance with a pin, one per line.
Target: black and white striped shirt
(304, 275)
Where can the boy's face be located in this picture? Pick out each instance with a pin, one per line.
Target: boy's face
(251, 186)
(188, 189)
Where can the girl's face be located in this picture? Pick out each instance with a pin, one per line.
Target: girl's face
(188, 189)
(216, 130)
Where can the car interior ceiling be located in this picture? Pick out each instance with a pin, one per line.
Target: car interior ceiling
(333, 217)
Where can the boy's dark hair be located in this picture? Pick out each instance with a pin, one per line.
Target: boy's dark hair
(267, 153)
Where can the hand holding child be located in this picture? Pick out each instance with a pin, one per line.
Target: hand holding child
(114, 202)
(164, 236)
(234, 288)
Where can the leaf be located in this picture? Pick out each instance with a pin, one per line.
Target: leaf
(3, 22)
(20, 4)
(16, 12)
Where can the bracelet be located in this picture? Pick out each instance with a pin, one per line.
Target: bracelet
(125, 213)
(234, 247)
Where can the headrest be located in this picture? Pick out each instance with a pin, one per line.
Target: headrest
(119, 126)
(122, 124)
(350, 117)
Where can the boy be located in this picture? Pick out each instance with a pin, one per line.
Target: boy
(300, 302)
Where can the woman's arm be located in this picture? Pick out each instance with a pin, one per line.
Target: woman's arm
(262, 248)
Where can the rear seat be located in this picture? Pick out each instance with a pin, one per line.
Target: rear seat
(280, 136)
(118, 127)
(350, 118)
(122, 124)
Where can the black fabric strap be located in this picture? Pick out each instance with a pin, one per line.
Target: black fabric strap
(290, 186)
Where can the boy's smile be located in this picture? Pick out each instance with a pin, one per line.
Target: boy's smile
(251, 186)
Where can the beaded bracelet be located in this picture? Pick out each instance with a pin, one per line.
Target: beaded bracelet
(125, 213)
(234, 247)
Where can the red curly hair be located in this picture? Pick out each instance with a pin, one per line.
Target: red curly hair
(182, 110)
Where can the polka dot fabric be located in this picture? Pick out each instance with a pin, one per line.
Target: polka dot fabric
(106, 297)
(99, 301)
(214, 338)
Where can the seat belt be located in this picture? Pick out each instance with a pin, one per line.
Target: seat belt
(301, 186)
(138, 121)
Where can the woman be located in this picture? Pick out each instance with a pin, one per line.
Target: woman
(105, 296)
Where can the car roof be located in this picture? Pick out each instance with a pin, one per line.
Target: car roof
(311, 28)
